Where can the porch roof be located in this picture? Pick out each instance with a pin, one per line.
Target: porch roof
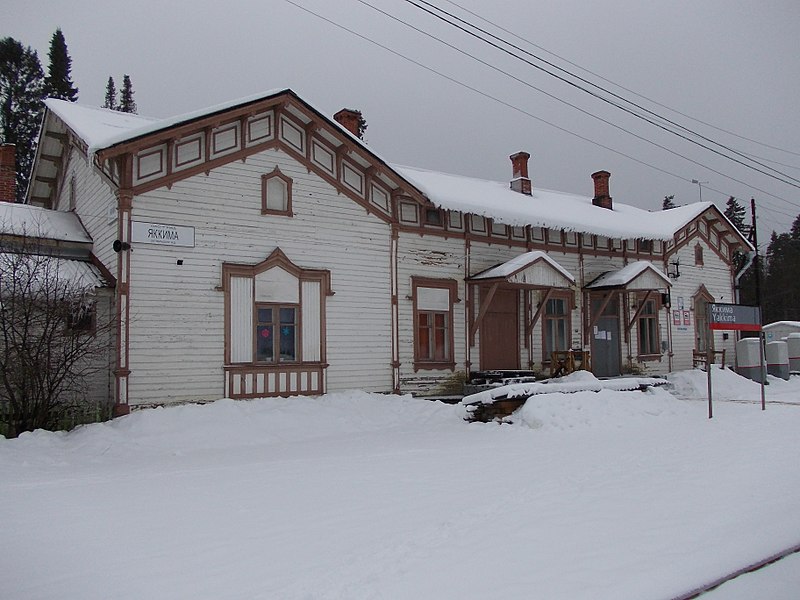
(533, 269)
(639, 275)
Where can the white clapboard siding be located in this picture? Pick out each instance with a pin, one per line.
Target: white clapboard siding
(435, 258)
(178, 333)
(715, 275)
(241, 319)
(96, 204)
(312, 321)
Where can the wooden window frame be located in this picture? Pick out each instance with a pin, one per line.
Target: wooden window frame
(701, 297)
(438, 221)
(644, 318)
(698, 255)
(86, 325)
(451, 286)
(568, 299)
(265, 179)
(298, 325)
(278, 259)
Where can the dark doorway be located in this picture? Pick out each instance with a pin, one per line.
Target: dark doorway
(606, 349)
(499, 332)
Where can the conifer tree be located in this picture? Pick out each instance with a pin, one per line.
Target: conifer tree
(126, 102)
(362, 126)
(58, 83)
(735, 213)
(748, 282)
(668, 202)
(21, 105)
(111, 95)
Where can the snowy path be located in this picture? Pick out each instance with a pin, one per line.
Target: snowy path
(614, 495)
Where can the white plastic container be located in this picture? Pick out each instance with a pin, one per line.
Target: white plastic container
(778, 359)
(748, 359)
(793, 341)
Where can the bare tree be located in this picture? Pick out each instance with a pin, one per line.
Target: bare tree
(54, 337)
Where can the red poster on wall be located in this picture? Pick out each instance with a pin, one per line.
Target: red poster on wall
(676, 317)
(687, 318)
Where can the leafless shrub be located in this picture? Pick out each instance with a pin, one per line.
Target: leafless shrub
(55, 334)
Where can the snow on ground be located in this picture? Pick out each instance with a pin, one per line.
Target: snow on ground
(623, 495)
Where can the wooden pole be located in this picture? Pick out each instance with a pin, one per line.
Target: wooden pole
(709, 357)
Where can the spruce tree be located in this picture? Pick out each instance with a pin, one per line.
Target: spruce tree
(668, 202)
(58, 83)
(735, 213)
(126, 102)
(781, 298)
(747, 284)
(111, 95)
(21, 105)
(362, 126)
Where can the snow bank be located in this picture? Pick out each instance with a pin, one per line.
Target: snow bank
(578, 381)
(729, 385)
(602, 409)
(594, 496)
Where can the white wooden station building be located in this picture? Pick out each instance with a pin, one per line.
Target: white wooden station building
(260, 249)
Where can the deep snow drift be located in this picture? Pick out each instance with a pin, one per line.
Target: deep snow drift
(623, 495)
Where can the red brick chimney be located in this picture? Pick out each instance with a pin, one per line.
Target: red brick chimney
(349, 119)
(520, 181)
(8, 173)
(601, 196)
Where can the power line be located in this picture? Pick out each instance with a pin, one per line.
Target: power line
(414, 3)
(622, 87)
(556, 98)
(522, 111)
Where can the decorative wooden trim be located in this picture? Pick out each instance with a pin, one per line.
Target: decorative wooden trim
(278, 259)
(484, 308)
(569, 297)
(287, 181)
(452, 286)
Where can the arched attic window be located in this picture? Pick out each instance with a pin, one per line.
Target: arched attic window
(276, 194)
(698, 255)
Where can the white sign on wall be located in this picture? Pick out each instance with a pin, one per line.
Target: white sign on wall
(164, 235)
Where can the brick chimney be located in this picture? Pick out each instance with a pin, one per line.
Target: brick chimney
(8, 173)
(349, 119)
(601, 196)
(520, 181)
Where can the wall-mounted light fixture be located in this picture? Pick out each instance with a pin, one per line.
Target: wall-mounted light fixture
(674, 269)
(119, 246)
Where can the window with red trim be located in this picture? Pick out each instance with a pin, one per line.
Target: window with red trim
(433, 323)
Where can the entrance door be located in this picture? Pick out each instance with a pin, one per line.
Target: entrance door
(606, 348)
(499, 332)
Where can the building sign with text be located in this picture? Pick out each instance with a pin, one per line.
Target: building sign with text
(734, 317)
(164, 235)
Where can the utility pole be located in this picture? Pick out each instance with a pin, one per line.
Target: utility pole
(754, 241)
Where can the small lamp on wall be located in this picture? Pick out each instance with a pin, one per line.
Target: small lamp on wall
(674, 269)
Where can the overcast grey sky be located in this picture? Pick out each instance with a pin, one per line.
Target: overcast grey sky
(729, 63)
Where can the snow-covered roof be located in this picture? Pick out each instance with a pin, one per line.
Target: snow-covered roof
(36, 222)
(98, 127)
(67, 273)
(791, 324)
(546, 208)
(101, 128)
(624, 276)
(518, 263)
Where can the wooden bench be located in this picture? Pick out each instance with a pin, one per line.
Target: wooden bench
(564, 362)
(700, 359)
